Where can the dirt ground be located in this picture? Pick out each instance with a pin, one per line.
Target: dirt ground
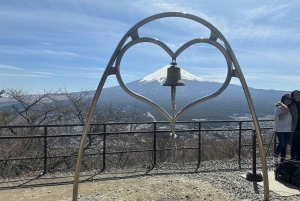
(162, 187)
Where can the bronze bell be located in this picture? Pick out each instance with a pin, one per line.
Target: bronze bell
(173, 76)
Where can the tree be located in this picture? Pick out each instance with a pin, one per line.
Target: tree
(2, 92)
(58, 107)
(32, 109)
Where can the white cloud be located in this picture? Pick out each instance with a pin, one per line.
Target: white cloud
(272, 9)
(20, 75)
(270, 22)
(61, 53)
(3, 66)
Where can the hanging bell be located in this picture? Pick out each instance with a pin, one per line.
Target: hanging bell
(173, 76)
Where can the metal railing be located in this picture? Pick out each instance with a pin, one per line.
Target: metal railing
(53, 145)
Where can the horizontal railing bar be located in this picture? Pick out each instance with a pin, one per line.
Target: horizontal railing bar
(39, 136)
(49, 157)
(124, 123)
(99, 154)
(125, 132)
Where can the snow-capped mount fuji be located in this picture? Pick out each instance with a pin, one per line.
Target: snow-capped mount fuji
(161, 75)
(152, 85)
(231, 102)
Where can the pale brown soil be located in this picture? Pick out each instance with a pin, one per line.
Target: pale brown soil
(161, 187)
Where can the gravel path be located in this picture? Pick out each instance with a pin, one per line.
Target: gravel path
(213, 181)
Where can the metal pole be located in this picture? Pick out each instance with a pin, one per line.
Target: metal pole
(154, 145)
(173, 94)
(240, 143)
(240, 75)
(199, 144)
(45, 149)
(86, 127)
(104, 149)
(254, 153)
(253, 176)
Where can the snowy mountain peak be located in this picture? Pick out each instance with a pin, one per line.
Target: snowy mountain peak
(161, 75)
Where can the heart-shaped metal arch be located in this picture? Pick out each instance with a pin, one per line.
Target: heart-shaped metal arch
(237, 72)
(173, 56)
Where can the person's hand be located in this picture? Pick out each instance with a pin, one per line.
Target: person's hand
(287, 110)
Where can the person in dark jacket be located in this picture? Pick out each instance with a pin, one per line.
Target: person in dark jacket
(295, 137)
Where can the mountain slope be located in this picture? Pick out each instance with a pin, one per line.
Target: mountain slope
(232, 102)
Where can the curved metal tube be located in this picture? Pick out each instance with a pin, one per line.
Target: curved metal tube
(229, 55)
(174, 56)
(225, 84)
(256, 126)
(126, 89)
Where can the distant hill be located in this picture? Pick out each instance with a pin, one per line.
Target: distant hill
(6, 102)
(231, 103)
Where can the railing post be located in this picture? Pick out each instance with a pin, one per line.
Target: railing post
(254, 176)
(45, 149)
(104, 149)
(199, 144)
(154, 145)
(240, 144)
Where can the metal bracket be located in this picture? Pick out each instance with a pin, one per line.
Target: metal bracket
(234, 73)
(213, 36)
(135, 35)
(112, 71)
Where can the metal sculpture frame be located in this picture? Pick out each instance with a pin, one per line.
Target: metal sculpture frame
(212, 40)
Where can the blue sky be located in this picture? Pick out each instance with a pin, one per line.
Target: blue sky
(46, 45)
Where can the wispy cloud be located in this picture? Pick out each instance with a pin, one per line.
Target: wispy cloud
(44, 73)
(3, 66)
(267, 34)
(160, 6)
(270, 22)
(21, 75)
(92, 69)
(273, 10)
(61, 53)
